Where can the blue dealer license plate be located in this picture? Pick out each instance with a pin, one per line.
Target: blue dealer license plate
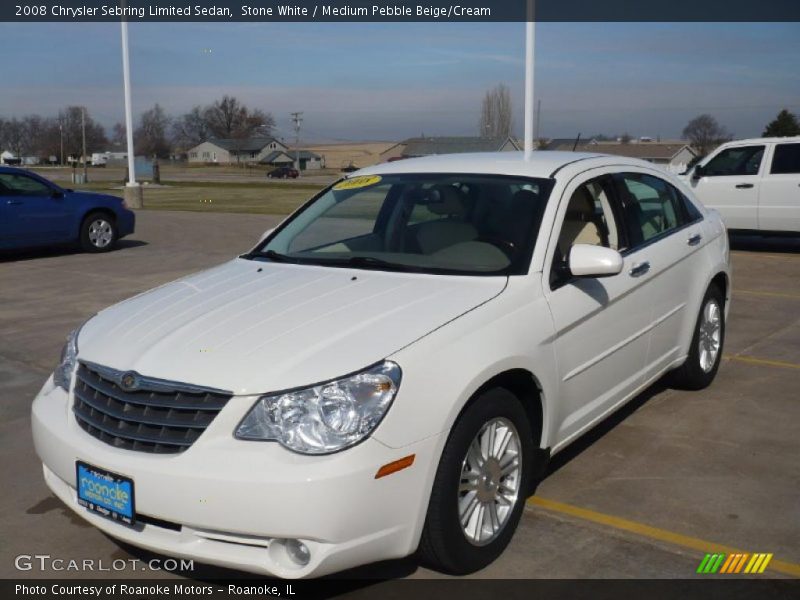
(105, 493)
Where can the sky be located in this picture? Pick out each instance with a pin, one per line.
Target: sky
(389, 81)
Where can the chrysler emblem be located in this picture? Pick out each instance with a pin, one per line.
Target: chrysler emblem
(129, 381)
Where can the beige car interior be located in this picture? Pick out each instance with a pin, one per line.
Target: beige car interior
(453, 228)
(583, 224)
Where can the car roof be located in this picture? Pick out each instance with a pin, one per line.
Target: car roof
(543, 163)
(763, 140)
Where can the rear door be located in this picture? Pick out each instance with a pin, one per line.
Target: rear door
(602, 324)
(664, 240)
(731, 185)
(779, 201)
(32, 215)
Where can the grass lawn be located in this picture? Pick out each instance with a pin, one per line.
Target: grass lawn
(261, 198)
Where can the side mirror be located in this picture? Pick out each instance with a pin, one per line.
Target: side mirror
(265, 235)
(586, 260)
(57, 194)
(699, 172)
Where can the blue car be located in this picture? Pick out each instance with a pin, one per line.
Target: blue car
(37, 212)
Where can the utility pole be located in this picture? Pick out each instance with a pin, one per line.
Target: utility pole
(536, 125)
(61, 134)
(297, 118)
(83, 135)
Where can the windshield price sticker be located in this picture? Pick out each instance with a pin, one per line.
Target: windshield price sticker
(357, 182)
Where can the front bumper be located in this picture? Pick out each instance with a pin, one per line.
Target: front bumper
(126, 222)
(234, 502)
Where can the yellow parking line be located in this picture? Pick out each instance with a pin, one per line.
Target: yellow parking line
(762, 361)
(768, 294)
(654, 533)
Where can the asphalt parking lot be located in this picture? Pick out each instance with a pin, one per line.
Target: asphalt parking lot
(644, 495)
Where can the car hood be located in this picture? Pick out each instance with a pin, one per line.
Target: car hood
(251, 327)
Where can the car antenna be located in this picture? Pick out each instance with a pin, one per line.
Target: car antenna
(577, 139)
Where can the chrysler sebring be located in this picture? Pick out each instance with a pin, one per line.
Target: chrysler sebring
(391, 368)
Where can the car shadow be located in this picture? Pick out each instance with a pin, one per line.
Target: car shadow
(51, 251)
(789, 244)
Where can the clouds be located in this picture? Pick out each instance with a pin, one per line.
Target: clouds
(387, 81)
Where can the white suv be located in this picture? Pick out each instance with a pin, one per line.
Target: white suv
(754, 184)
(391, 368)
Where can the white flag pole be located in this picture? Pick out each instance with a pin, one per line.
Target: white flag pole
(530, 43)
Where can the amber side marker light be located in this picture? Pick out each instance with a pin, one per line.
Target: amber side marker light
(395, 466)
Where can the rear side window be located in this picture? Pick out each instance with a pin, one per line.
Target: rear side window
(786, 159)
(651, 207)
(743, 160)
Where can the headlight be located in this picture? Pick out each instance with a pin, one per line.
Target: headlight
(327, 417)
(62, 376)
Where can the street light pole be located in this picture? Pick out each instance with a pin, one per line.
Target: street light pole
(133, 191)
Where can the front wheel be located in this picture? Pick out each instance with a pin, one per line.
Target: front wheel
(705, 353)
(98, 233)
(480, 487)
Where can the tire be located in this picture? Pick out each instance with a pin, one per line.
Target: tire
(98, 232)
(447, 546)
(703, 361)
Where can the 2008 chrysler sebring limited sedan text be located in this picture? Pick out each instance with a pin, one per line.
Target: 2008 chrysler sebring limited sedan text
(390, 368)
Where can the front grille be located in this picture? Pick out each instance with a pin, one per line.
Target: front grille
(152, 415)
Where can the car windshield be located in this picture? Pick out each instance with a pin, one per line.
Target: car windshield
(434, 223)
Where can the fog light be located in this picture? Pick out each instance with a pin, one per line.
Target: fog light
(298, 552)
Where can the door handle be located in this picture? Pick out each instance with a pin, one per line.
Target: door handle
(743, 186)
(13, 201)
(694, 239)
(639, 269)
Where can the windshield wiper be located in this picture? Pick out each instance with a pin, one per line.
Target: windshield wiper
(365, 262)
(270, 254)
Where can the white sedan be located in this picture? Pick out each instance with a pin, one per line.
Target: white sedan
(391, 368)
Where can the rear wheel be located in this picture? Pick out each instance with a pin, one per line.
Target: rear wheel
(705, 353)
(481, 485)
(98, 232)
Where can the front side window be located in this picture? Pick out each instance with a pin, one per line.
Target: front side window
(21, 185)
(589, 219)
(743, 160)
(650, 207)
(434, 223)
(786, 159)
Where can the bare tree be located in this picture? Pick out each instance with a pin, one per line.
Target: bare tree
(705, 133)
(150, 138)
(229, 118)
(190, 129)
(96, 139)
(14, 137)
(496, 113)
(118, 134)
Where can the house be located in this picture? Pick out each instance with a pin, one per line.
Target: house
(566, 144)
(309, 161)
(672, 155)
(233, 151)
(427, 146)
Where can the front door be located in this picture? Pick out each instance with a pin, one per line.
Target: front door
(731, 184)
(32, 214)
(601, 324)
